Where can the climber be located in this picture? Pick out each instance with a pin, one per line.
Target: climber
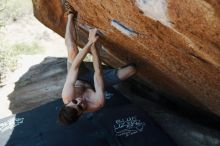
(83, 90)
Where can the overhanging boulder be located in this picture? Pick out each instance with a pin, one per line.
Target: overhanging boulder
(175, 44)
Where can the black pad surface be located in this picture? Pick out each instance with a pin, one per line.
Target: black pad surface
(119, 123)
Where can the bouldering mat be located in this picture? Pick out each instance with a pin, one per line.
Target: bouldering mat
(119, 123)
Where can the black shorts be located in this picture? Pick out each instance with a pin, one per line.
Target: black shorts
(110, 76)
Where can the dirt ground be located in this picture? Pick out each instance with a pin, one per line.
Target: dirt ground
(28, 29)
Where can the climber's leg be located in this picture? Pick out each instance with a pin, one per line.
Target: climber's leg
(126, 72)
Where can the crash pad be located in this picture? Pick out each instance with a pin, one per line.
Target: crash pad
(119, 123)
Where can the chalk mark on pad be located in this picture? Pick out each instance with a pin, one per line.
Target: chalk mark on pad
(108, 95)
(128, 126)
(10, 123)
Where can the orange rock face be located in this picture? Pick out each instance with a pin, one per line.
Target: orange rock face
(175, 44)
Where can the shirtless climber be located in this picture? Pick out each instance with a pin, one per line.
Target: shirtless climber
(84, 88)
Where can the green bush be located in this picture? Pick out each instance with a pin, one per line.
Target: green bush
(8, 61)
(26, 49)
(9, 57)
(12, 10)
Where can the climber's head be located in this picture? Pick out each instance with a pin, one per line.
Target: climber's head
(71, 111)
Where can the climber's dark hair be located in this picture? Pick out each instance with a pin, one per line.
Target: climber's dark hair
(68, 115)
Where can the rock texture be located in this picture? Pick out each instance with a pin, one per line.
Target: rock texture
(176, 44)
(41, 84)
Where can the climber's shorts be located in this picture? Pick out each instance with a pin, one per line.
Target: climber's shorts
(110, 76)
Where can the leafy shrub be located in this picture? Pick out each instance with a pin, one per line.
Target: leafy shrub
(12, 10)
(9, 58)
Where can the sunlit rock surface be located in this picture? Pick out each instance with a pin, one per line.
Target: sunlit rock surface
(175, 44)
